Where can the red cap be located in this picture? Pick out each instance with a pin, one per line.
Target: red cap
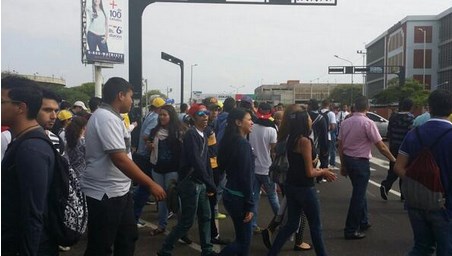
(195, 108)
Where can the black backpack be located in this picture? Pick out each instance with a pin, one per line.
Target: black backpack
(421, 186)
(67, 206)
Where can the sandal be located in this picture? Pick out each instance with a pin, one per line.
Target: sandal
(302, 247)
(156, 231)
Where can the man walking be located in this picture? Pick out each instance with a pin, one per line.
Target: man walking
(195, 185)
(399, 125)
(263, 141)
(27, 173)
(107, 178)
(432, 229)
(356, 137)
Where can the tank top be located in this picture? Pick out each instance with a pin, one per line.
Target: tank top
(296, 176)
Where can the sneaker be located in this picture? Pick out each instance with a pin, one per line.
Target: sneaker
(266, 235)
(170, 215)
(64, 248)
(323, 180)
(220, 216)
(383, 192)
(151, 202)
(218, 240)
(141, 223)
(257, 230)
(186, 240)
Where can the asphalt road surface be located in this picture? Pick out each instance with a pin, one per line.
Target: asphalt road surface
(389, 235)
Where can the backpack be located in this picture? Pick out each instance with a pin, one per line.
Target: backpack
(280, 165)
(421, 185)
(319, 144)
(67, 206)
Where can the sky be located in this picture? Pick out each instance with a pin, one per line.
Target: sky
(236, 47)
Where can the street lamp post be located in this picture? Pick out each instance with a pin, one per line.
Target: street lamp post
(363, 53)
(191, 82)
(351, 90)
(180, 63)
(236, 88)
(423, 65)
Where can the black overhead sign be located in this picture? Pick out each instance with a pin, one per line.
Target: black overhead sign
(281, 2)
(364, 69)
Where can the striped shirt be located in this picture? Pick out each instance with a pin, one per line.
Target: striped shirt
(399, 125)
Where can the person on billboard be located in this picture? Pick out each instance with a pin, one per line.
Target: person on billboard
(98, 29)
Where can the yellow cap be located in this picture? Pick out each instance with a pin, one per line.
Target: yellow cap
(158, 102)
(64, 115)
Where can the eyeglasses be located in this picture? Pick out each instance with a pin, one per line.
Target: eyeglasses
(10, 101)
(202, 113)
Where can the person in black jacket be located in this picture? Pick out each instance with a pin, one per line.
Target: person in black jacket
(27, 173)
(236, 157)
(195, 185)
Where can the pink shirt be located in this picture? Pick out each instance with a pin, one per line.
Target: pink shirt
(358, 133)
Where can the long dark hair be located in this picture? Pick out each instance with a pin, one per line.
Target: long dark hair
(231, 136)
(74, 131)
(101, 6)
(298, 126)
(284, 128)
(174, 127)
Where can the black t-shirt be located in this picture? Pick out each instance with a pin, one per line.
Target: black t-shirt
(296, 176)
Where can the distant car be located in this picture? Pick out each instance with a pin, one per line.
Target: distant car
(381, 122)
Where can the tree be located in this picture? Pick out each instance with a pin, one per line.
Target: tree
(345, 94)
(394, 93)
(151, 93)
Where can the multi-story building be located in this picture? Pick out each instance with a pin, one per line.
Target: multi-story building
(293, 92)
(421, 44)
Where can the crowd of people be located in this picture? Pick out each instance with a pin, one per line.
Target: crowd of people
(209, 151)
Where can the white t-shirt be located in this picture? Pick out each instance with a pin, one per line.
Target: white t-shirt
(260, 139)
(331, 120)
(6, 139)
(105, 133)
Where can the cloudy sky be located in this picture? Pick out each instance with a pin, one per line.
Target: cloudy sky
(233, 45)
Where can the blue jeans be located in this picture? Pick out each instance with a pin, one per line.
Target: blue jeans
(193, 197)
(164, 180)
(243, 231)
(359, 172)
(270, 189)
(332, 148)
(140, 197)
(431, 229)
(299, 200)
(95, 41)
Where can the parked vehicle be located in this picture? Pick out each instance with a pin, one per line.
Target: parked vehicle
(381, 122)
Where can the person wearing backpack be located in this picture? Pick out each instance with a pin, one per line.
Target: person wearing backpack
(26, 184)
(432, 229)
(319, 134)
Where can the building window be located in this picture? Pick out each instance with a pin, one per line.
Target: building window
(418, 58)
(419, 35)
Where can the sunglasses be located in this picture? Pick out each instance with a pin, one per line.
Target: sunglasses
(202, 113)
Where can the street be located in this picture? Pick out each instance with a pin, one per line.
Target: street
(390, 233)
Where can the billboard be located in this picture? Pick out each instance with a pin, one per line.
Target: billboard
(103, 38)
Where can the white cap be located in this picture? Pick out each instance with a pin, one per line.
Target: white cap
(80, 104)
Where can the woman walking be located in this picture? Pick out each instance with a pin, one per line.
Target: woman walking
(166, 145)
(75, 143)
(235, 156)
(300, 191)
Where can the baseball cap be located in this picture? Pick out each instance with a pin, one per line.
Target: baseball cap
(80, 104)
(264, 111)
(246, 102)
(198, 109)
(158, 102)
(64, 115)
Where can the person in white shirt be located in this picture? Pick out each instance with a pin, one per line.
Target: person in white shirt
(332, 125)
